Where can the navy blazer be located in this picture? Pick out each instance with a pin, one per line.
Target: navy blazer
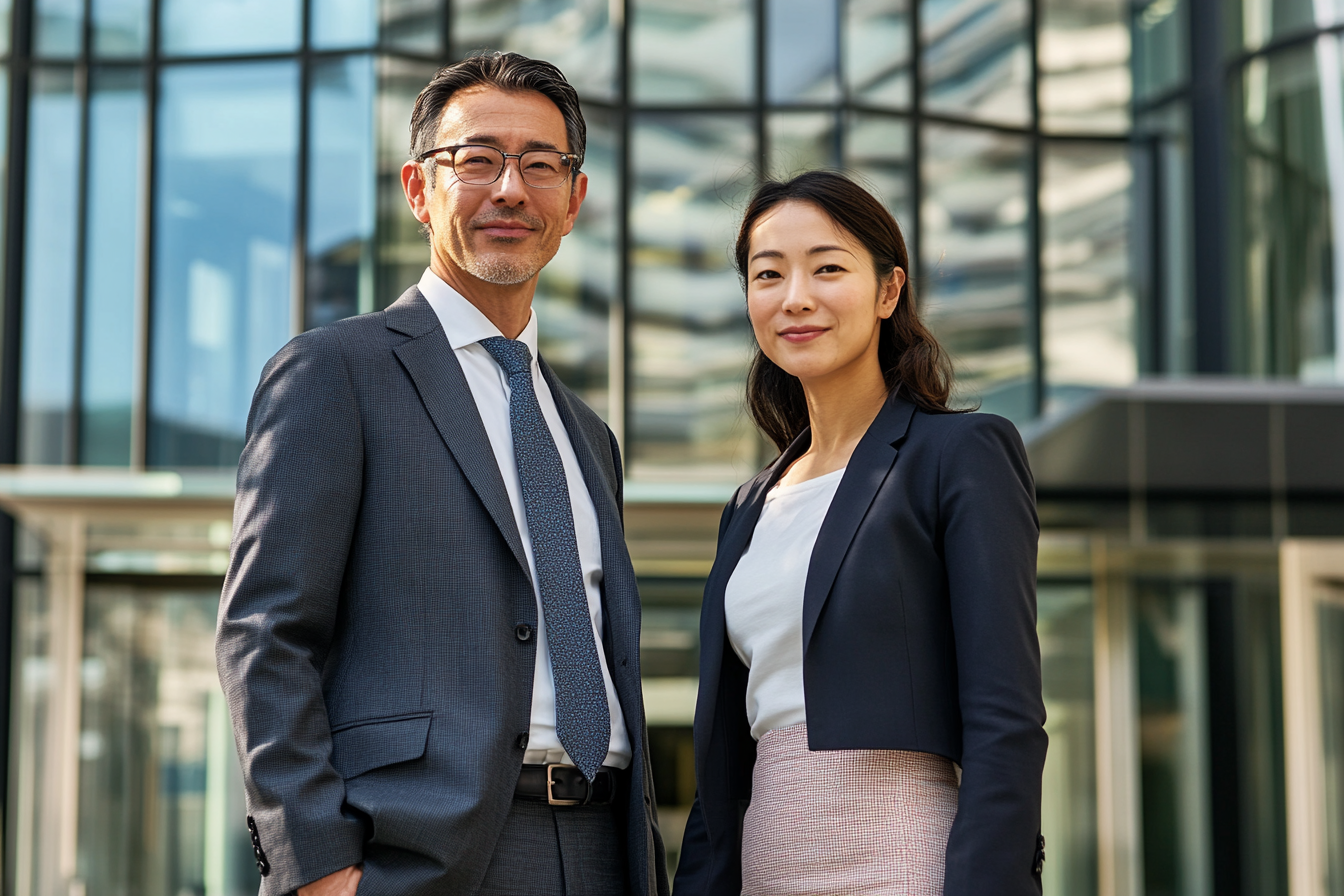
(919, 633)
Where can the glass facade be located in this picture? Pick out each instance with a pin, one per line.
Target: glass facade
(187, 184)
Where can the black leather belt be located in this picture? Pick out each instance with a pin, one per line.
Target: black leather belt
(565, 785)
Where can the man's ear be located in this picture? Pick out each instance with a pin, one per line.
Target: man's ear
(576, 196)
(416, 190)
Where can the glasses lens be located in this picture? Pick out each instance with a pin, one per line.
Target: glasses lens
(544, 168)
(477, 164)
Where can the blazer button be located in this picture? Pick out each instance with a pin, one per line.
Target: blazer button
(523, 631)
(522, 741)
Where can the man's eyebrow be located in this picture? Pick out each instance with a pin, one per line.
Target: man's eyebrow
(492, 140)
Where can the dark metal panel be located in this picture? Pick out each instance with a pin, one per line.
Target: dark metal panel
(1090, 452)
(1314, 447)
(1215, 446)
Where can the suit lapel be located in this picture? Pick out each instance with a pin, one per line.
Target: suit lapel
(868, 467)
(438, 378)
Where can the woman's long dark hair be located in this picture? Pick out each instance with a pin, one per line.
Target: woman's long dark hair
(909, 355)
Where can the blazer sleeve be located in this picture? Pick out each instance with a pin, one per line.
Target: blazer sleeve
(989, 532)
(299, 483)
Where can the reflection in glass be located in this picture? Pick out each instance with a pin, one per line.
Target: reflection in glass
(1069, 805)
(46, 386)
(59, 27)
(1163, 275)
(692, 50)
(1260, 21)
(802, 47)
(1083, 58)
(877, 149)
(575, 35)
(576, 291)
(228, 136)
(977, 59)
(160, 788)
(974, 221)
(120, 27)
(4, 25)
(1173, 738)
(402, 252)
(877, 51)
(31, 814)
(1087, 304)
(1288, 288)
(201, 27)
(414, 26)
(1161, 41)
(341, 190)
(689, 334)
(344, 23)
(799, 141)
(113, 247)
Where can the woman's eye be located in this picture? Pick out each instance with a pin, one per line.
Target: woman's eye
(767, 275)
(830, 269)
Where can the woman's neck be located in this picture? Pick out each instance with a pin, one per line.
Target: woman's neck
(840, 409)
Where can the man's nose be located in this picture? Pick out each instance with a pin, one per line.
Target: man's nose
(510, 189)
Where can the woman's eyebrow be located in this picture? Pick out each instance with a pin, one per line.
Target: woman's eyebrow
(767, 253)
(819, 249)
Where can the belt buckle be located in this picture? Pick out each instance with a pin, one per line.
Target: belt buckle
(550, 788)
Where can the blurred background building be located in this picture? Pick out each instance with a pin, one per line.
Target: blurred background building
(1126, 222)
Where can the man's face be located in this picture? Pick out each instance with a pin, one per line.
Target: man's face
(503, 233)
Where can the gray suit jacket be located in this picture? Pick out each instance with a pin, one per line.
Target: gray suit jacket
(366, 632)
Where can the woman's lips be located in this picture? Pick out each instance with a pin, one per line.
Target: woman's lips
(801, 334)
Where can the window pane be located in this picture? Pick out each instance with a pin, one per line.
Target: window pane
(120, 27)
(1069, 797)
(1084, 66)
(228, 136)
(341, 191)
(58, 28)
(877, 149)
(576, 35)
(974, 221)
(160, 788)
(1163, 274)
(5, 6)
(402, 251)
(1161, 60)
(690, 334)
(692, 50)
(577, 289)
(415, 26)
(802, 46)
(801, 141)
(977, 59)
(344, 23)
(877, 51)
(113, 240)
(1287, 282)
(1254, 23)
(199, 27)
(48, 356)
(1088, 314)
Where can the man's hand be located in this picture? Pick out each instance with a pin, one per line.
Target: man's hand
(338, 883)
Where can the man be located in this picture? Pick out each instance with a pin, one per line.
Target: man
(429, 633)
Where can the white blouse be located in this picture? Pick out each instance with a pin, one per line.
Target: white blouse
(763, 602)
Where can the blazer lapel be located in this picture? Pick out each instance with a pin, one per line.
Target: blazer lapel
(868, 467)
(438, 378)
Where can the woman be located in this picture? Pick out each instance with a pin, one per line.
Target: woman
(869, 623)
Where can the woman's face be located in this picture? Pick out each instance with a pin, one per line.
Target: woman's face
(812, 293)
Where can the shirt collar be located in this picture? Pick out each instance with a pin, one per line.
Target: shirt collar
(463, 323)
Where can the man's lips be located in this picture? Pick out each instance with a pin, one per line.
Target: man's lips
(801, 334)
(507, 227)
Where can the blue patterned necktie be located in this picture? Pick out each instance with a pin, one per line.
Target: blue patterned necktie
(582, 717)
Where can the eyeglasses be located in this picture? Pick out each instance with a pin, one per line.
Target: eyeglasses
(481, 165)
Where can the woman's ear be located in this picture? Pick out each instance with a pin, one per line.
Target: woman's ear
(891, 293)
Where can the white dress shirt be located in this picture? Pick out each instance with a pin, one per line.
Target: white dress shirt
(763, 602)
(465, 326)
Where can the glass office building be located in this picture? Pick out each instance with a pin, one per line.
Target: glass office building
(1125, 221)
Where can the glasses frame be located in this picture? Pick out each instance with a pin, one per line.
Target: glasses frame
(568, 157)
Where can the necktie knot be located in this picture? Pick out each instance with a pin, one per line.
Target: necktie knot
(512, 355)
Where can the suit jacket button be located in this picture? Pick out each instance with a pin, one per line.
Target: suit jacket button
(523, 631)
(522, 741)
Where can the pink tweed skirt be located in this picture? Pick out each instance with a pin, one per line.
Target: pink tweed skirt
(833, 822)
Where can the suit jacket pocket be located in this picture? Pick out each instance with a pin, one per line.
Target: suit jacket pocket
(366, 744)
